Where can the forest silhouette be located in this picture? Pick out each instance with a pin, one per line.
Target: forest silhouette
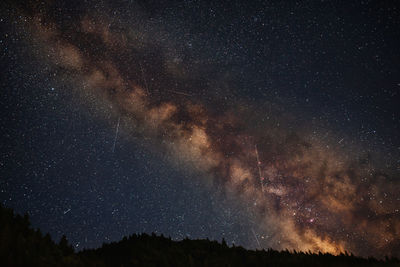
(21, 245)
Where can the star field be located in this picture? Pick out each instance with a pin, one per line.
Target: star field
(266, 124)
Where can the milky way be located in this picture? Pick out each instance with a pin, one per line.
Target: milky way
(308, 191)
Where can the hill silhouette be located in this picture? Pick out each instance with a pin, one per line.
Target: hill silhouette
(20, 245)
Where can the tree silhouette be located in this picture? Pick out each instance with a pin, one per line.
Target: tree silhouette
(20, 245)
(65, 247)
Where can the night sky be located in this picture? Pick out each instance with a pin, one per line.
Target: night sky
(270, 124)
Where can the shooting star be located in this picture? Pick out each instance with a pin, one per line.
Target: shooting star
(116, 134)
(66, 211)
(259, 169)
(255, 236)
(179, 93)
(144, 79)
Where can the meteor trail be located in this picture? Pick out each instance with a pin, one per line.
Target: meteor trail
(179, 93)
(255, 236)
(144, 79)
(68, 210)
(259, 169)
(116, 134)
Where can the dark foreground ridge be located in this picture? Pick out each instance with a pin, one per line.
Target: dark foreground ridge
(20, 245)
